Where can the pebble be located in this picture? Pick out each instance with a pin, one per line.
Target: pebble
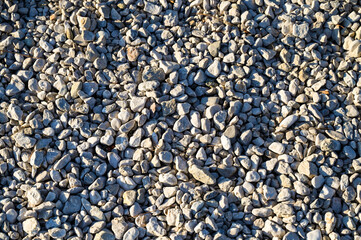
(277, 147)
(314, 235)
(202, 175)
(31, 227)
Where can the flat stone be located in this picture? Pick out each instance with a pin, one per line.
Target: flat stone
(72, 205)
(288, 121)
(153, 74)
(202, 175)
(152, 8)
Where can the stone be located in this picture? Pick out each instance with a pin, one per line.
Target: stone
(182, 124)
(213, 48)
(15, 86)
(132, 53)
(153, 74)
(166, 157)
(15, 112)
(314, 235)
(129, 197)
(202, 175)
(307, 168)
(300, 30)
(154, 228)
(273, 230)
(72, 205)
(277, 147)
(57, 233)
(131, 234)
(137, 103)
(169, 107)
(327, 192)
(214, 69)
(34, 197)
(75, 88)
(104, 235)
(119, 227)
(31, 227)
(152, 8)
(288, 121)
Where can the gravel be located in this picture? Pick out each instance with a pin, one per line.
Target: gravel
(200, 119)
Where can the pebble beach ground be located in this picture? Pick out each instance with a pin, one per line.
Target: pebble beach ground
(177, 119)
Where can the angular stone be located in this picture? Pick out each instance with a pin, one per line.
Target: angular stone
(307, 168)
(202, 175)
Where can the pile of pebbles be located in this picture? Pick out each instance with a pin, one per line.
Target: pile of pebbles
(172, 120)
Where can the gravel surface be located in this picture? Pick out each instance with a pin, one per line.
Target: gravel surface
(177, 119)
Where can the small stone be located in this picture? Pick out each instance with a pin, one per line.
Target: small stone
(72, 205)
(202, 175)
(154, 228)
(253, 176)
(213, 48)
(34, 197)
(90, 88)
(137, 103)
(15, 86)
(129, 197)
(153, 74)
(168, 66)
(37, 158)
(214, 69)
(119, 227)
(277, 147)
(182, 124)
(330, 145)
(75, 88)
(166, 157)
(168, 179)
(152, 8)
(288, 121)
(272, 229)
(104, 235)
(131, 234)
(57, 233)
(226, 171)
(327, 192)
(314, 235)
(300, 30)
(168, 107)
(132, 53)
(15, 112)
(307, 168)
(226, 142)
(31, 226)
